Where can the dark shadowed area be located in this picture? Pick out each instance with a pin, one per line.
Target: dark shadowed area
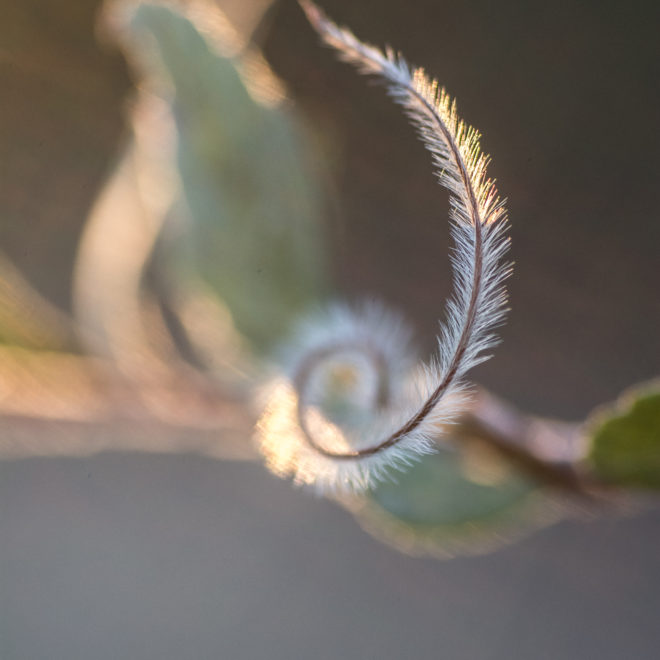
(170, 557)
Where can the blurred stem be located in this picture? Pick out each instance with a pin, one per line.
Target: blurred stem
(59, 404)
(54, 404)
(549, 451)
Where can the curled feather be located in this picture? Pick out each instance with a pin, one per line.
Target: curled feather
(318, 452)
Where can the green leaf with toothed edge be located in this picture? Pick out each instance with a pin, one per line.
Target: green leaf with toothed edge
(254, 200)
(624, 447)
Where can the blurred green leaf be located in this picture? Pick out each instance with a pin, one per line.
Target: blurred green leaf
(454, 503)
(625, 440)
(247, 181)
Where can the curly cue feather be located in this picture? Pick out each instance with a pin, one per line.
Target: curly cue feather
(475, 204)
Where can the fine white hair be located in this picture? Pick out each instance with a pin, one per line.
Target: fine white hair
(297, 439)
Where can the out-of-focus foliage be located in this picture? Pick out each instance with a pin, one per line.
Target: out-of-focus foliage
(455, 502)
(247, 178)
(625, 440)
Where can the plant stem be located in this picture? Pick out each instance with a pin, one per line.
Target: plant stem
(550, 451)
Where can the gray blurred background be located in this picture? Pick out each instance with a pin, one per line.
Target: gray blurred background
(132, 556)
